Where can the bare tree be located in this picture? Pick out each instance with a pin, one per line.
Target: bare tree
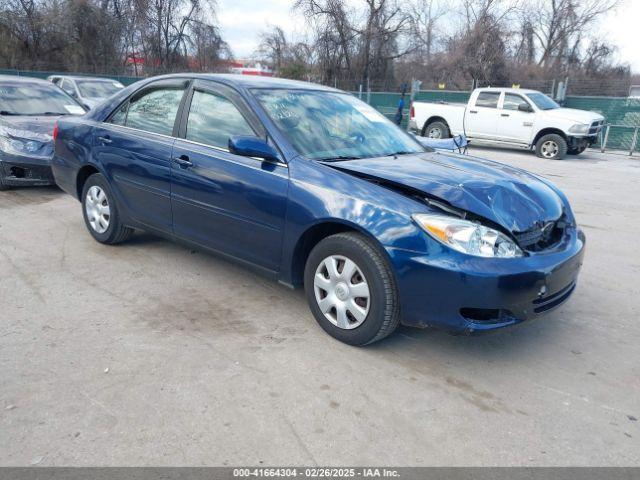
(559, 26)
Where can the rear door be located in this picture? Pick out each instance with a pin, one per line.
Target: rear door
(515, 125)
(134, 147)
(481, 119)
(230, 203)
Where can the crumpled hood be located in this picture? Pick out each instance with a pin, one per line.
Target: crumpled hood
(574, 115)
(34, 128)
(510, 197)
(28, 128)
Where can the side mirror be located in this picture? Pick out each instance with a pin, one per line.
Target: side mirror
(248, 146)
(525, 107)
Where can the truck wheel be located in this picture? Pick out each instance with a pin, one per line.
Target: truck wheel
(551, 146)
(351, 289)
(436, 129)
(2, 185)
(101, 213)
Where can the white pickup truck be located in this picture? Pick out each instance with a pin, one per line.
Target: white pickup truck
(510, 117)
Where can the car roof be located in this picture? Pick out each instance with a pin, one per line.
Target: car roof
(507, 90)
(21, 79)
(251, 81)
(82, 77)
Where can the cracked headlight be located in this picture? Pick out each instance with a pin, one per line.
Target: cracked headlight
(580, 128)
(17, 146)
(468, 237)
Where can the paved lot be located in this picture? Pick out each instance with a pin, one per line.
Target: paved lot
(152, 354)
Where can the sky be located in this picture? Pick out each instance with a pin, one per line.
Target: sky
(242, 21)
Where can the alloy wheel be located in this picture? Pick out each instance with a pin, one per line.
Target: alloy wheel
(97, 208)
(435, 132)
(549, 149)
(342, 292)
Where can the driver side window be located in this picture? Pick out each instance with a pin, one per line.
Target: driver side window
(512, 102)
(213, 119)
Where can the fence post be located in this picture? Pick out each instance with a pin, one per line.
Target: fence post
(360, 91)
(606, 137)
(368, 91)
(633, 142)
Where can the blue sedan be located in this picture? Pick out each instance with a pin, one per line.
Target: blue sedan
(314, 188)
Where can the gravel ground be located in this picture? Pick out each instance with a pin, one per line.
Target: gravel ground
(150, 353)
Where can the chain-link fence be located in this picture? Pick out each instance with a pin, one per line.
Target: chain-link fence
(621, 113)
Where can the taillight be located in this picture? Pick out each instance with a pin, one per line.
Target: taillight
(55, 131)
(412, 112)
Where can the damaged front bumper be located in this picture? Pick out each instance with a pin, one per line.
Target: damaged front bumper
(469, 295)
(25, 171)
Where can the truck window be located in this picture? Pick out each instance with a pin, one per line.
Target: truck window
(511, 101)
(488, 99)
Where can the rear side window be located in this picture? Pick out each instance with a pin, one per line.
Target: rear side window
(488, 99)
(213, 119)
(154, 111)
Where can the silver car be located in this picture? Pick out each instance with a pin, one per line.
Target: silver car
(89, 91)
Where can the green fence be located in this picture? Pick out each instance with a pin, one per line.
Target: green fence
(622, 113)
(125, 80)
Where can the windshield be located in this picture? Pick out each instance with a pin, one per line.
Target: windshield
(98, 88)
(542, 101)
(334, 126)
(36, 99)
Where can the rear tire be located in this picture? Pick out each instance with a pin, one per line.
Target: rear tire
(354, 300)
(437, 129)
(100, 212)
(551, 147)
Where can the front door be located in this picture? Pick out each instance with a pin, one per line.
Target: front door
(515, 125)
(230, 203)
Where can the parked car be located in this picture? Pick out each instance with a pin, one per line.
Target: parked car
(315, 188)
(89, 91)
(512, 117)
(28, 110)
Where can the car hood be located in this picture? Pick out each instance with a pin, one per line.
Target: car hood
(574, 115)
(510, 197)
(25, 126)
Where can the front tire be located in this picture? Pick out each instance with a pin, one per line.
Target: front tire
(551, 147)
(351, 289)
(3, 186)
(436, 130)
(101, 213)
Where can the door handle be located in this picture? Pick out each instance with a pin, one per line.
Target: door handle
(473, 111)
(183, 161)
(106, 140)
(504, 114)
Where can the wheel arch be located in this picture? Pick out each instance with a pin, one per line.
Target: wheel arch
(548, 131)
(432, 119)
(317, 232)
(83, 174)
